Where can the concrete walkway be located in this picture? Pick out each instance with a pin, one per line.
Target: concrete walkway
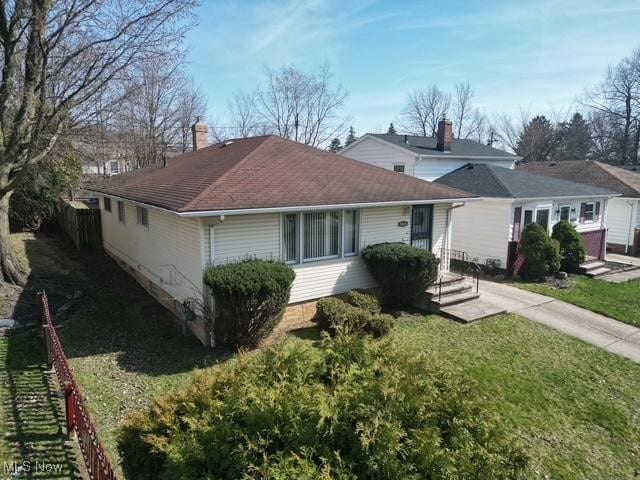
(629, 260)
(598, 330)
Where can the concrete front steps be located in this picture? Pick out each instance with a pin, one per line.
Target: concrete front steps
(592, 267)
(457, 299)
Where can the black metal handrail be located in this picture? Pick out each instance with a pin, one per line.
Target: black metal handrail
(465, 266)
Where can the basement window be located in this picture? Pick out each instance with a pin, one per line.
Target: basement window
(142, 215)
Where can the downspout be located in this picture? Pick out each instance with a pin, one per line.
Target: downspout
(212, 224)
(626, 243)
(448, 223)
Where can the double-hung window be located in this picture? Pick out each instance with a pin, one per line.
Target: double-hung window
(319, 235)
(565, 213)
(107, 204)
(142, 215)
(589, 212)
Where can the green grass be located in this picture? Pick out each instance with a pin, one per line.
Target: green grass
(576, 408)
(123, 346)
(31, 415)
(620, 301)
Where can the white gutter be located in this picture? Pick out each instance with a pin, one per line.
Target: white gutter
(570, 197)
(304, 208)
(249, 211)
(469, 157)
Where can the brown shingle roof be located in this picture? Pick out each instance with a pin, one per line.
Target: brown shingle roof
(590, 172)
(267, 172)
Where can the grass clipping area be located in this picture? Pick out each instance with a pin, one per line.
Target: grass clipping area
(620, 301)
(575, 407)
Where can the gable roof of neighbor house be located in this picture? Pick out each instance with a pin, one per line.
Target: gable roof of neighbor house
(428, 146)
(590, 172)
(493, 181)
(267, 172)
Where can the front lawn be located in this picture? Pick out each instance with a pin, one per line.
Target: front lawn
(575, 407)
(620, 301)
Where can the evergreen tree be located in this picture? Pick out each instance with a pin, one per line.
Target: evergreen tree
(351, 137)
(574, 139)
(537, 140)
(335, 145)
(392, 130)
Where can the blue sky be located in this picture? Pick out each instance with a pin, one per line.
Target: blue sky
(532, 55)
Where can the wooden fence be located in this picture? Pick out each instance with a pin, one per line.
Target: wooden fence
(81, 223)
(77, 417)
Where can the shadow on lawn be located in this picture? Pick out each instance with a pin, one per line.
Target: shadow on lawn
(32, 415)
(114, 314)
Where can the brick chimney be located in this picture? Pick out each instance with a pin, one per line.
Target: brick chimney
(445, 135)
(200, 134)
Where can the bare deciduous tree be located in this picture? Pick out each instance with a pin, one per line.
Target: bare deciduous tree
(302, 106)
(423, 110)
(617, 99)
(55, 57)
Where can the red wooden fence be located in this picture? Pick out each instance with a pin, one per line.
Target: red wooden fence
(77, 417)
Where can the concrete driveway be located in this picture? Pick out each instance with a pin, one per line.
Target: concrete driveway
(598, 330)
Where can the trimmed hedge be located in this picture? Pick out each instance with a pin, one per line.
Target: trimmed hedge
(366, 301)
(334, 315)
(250, 299)
(403, 272)
(351, 408)
(541, 253)
(572, 247)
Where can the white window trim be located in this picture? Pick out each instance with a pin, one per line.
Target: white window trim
(122, 220)
(593, 212)
(560, 207)
(300, 260)
(403, 165)
(549, 219)
(142, 225)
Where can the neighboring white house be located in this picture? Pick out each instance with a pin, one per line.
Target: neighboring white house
(270, 198)
(107, 168)
(426, 158)
(623, 213)
(490, 230)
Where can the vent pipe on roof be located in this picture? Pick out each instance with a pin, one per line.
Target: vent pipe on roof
(406, 139)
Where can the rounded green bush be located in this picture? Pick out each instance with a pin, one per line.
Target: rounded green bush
(572, 247)
(351, 408)
(334, 315)
(403, 272)
(541, 253)
(366, 301)
(250, 299)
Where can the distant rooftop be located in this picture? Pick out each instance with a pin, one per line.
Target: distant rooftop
(621, 180)
(492, 181)
(460, 148)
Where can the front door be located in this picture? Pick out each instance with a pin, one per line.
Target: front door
(421, 226)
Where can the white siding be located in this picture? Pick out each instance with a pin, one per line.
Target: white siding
(244, 236)
(623, 216)
(481, 229)
(168, 252)
(432, 168)
(554, 217)
(439, 235)
(380, 225)
(381, 154)
(320, 279)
